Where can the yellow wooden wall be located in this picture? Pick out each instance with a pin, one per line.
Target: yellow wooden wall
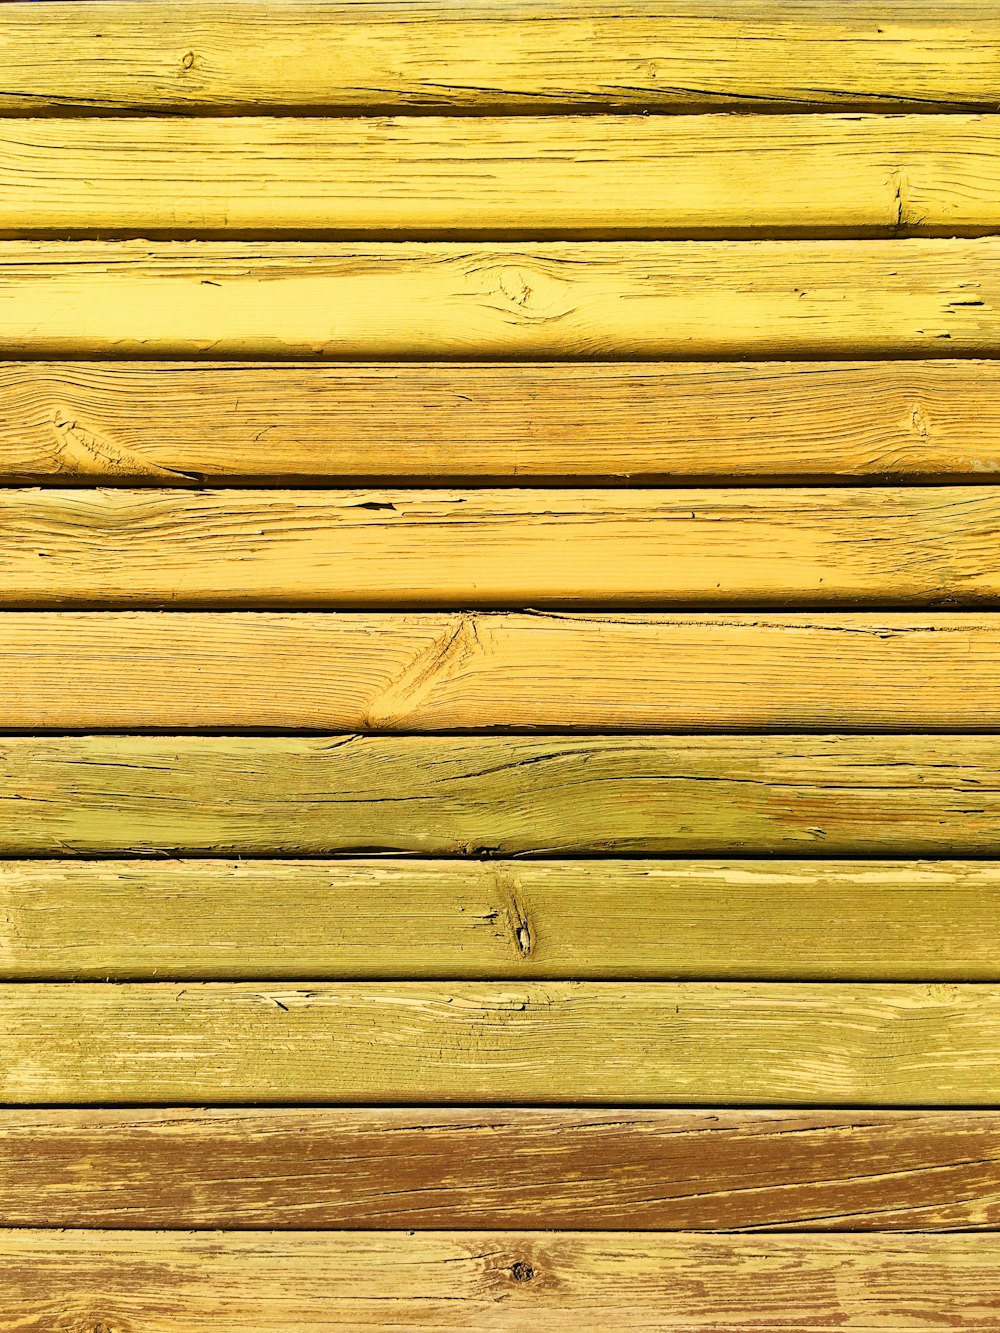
(499, 666)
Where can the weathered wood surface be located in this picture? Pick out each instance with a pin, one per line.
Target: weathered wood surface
(896, 796)
(669, 176)
(802, 546)
(382, 918)
(517, 1282)
(520, 1043)
(481, 56)
(128, 423)
(599, 300)
(556, 671)
(640, 1170)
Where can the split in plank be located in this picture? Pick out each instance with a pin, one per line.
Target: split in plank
(598, 919)
(674, 300)
(585, 177)
(485, 55)
(897, 796)
(915, 546)
(449, 672)
(542, 1043)
(135, 423)
(384, 1169)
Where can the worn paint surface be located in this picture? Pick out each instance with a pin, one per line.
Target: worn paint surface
(499, 723)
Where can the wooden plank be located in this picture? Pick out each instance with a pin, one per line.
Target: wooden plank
(378, 918)
(519, 1043)
(498, 54)
(504, 1169)
(68, 421)
(909, 546)
(898, 796)
(309, 1282)
(590, 176)
(451, 300)
(454, 671)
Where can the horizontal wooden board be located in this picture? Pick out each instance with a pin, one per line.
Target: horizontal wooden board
(454, 671)
(451, 300)
(309, 1282)
(135, 423)
(551, 1043)
(418, 1169)
(592, 176)
(888, 546)
(382, 918)
(489, 54)
(489, 795)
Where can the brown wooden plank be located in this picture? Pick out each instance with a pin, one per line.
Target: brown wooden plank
(135, 423)
(498, 54)
(466, 301)
(455, 671)
(553, 176)
(379, 918)
(519, 1043)
(916, 546)
(819, 795)
(641, 1170)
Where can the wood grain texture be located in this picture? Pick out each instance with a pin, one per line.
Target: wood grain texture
(136, 423)
(604, 919)
(784, 795)
(556, 671)
(527, 1043)
(671, 176)
(512, 1281)
(448, 300)
(915, 546)
(640, 1170)
(498, 55)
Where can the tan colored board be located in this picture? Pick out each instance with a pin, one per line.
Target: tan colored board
(532, 177)
(126, 423)
(536, 300)
(512, 1281)
(787, 795)
(190, 56)
(609, 919)
(551, 1043)
(418, 1169)
(919, 546)
(558, 671)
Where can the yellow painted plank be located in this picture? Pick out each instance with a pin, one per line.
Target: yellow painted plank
(536, 300)
(589, 176)
(909, 546)
(556, 1043)
(454, 671)
(489, 54)
(787, 795)
(127, 423)
(413, 1168)
(577, 1282)
(606, 919)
